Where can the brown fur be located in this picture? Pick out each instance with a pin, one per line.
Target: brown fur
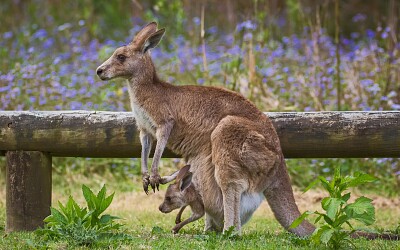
(232, 147)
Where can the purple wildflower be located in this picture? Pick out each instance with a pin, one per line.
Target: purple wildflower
(246, 25)
(396, 106)
(359, 18)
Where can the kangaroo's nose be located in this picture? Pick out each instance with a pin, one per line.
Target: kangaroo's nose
(99, 71)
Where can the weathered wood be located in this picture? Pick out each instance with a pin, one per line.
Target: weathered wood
(338, 134)
(113, 134)
(28, 189)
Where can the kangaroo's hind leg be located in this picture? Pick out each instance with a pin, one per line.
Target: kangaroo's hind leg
(244, 165)
(225, 141)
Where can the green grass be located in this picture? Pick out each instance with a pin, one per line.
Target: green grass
(150, 229)
(260, 234)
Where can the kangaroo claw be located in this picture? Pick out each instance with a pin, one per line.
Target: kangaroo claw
(175, 230)
(146, 183)
(155, 182)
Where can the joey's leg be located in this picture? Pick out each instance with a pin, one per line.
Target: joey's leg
(192, 218)
(162, 135)
(178, 218)
(146, 142)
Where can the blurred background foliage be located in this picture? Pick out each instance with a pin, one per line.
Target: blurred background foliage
(281, 54)
(280, 17)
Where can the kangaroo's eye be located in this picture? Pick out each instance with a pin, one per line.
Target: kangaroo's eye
(121, 58)
(168, 199)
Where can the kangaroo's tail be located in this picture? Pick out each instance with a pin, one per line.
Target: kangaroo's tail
(281, 200)
(375, 236)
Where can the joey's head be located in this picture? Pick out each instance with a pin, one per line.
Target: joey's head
(133, 60)
(176, 197)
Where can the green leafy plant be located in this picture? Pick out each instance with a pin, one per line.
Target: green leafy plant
(338, 211)
(82, 225)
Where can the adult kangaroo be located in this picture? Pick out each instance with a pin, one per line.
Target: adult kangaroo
(232, 147)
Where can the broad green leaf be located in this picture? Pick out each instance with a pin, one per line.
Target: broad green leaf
(318, 219)
(361, 178)
(326, 185)
(326, 235)
(346, 197)
(62, 207)
(77, 209)
(316, 236)
(105, 204)
(300, 219)
(361, 210)
(70, 205)
(85, 215)
(341, 220)
(107, 218)
(102, 193)
(89, 197)
(324, 202)
(99, 200)
(58, 216)
(49, 219)
(327, 219)
(343, 185)
(331, 206)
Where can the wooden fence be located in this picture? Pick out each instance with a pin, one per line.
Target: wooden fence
(29, 140)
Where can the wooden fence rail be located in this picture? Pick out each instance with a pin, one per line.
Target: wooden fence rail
(113, 134)
(30, 139)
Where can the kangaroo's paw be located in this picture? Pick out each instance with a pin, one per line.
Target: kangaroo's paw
(176, 229)
(155, 180)
(146, 182)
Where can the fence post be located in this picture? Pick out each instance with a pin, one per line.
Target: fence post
(28, 189)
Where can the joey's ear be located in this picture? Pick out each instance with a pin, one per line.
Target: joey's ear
(186, 181)
(153, 40)
(182, 172)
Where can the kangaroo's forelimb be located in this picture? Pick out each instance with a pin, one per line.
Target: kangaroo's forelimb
(146, 141)
(162, 135)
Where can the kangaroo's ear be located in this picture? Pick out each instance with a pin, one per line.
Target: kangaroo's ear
(186, 181)
(153, 40)
(144, 33)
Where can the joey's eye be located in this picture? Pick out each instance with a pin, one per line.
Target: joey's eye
(121, 58)
(168, 199)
